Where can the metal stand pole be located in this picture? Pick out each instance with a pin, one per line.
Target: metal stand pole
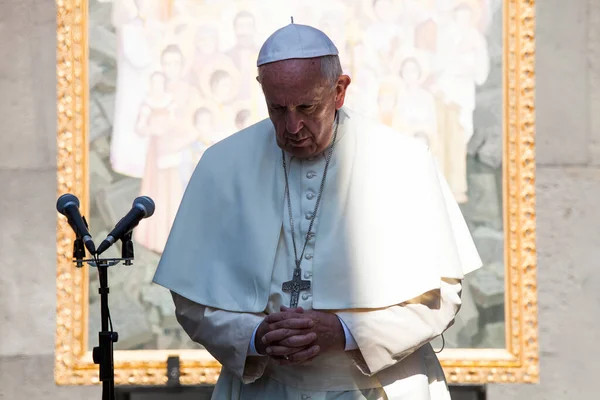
(103, 354)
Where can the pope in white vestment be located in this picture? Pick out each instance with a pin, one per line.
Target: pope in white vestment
(379, 264)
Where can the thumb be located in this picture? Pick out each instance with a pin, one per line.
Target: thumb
(297, 309)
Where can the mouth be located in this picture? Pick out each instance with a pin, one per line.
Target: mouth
(297, 143)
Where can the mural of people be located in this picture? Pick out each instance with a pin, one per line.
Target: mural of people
(463, 50)
(155, 122)
(384, 33)
(222, 85)
(202, 138)
(416, 110)
(464, 62)
(138, 25)
(387, 100)
(415, 65)
(172, 64)
(206, 47)
(244, 51)
(182, 73)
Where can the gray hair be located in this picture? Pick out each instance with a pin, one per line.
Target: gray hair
(331, 69)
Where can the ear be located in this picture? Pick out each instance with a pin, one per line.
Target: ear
(340, 90)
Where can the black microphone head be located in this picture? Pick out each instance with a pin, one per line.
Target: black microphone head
(64, 201)
(146, 204)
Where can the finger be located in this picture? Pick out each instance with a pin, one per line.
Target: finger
(280, 351)
(296, 323)
(276, 317)
(300, 356)
(298, 340)
(280, 316)
(281, 334)
(299, 310)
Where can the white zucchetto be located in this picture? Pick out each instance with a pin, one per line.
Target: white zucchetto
(295, 41)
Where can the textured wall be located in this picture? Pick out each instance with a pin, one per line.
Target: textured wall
(568, 195)
(568, 137)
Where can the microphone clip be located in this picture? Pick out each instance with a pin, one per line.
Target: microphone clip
(78, 252)
(127, 253)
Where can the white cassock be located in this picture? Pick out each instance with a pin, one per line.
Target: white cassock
(389, 252)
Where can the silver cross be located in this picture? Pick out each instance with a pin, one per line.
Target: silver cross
(295, 286)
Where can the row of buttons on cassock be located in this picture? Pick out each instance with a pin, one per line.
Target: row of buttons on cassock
(307, 274)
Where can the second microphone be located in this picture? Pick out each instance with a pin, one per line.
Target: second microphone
(143, 207)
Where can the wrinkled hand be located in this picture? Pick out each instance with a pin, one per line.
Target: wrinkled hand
(298, 327)
(324, 333)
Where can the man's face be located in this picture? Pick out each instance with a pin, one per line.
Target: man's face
(301, 104)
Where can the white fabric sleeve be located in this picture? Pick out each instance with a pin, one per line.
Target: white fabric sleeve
(252, 346)
(225, 334)
(350, 342)
(388, 335)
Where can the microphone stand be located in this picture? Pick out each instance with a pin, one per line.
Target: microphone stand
(103, 354)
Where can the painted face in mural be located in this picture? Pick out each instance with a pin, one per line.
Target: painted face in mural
(463, 15)
(385, 10)
(241, 119)
(203, 121)
(410, 72)
(245, 28)
(221, 86)
(172, 62)
(302, 104)
(206, 40)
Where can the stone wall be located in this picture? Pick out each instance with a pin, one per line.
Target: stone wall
(568, 190)
(568, 140)
(27, 213)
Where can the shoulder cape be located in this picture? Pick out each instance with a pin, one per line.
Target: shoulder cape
(390, 226)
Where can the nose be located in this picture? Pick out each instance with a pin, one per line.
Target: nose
(293, 122)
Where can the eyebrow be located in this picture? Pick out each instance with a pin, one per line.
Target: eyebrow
(303, 104)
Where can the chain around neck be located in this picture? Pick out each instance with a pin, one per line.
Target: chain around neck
(318, 202)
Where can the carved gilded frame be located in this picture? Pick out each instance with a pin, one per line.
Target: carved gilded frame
(518, 362)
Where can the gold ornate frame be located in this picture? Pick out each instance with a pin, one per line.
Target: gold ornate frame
(518, 362)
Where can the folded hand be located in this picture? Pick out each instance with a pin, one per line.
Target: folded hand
(300, 334)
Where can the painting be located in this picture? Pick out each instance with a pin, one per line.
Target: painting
(145, 87)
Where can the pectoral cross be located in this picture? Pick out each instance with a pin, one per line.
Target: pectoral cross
(295, 286)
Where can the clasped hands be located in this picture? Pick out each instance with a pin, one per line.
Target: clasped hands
(295, 335)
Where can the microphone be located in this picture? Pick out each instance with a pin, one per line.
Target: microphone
(143, 207)
(68, 205)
